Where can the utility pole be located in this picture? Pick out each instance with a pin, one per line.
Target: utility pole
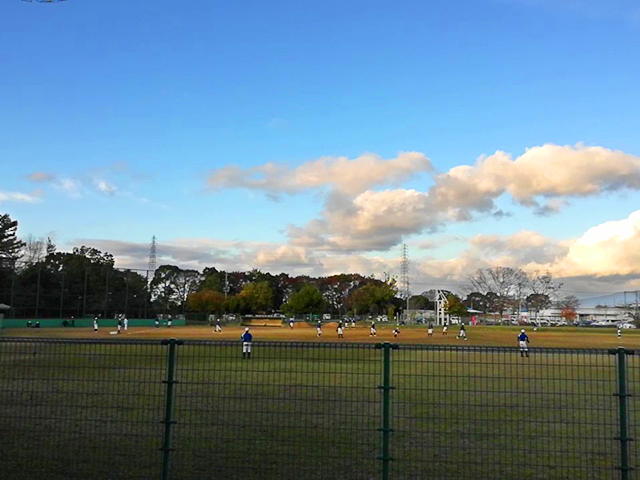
(405, 286)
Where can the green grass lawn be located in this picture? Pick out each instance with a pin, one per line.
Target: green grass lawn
(296, 411)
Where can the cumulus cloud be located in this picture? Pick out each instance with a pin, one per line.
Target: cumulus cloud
(605, 258)
(611, 248)
(350, 176)
(370, 221)
(543, 178)
(549, 171)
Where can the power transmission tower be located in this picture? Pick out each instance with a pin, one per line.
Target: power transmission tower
(226, 284)
(405, 286)
(153, 255)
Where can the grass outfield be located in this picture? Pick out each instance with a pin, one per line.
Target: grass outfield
(565, 337)
(311, 409)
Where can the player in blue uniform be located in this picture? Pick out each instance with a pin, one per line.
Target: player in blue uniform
(319, 329)
(246, 338)
(523, 341)
(218, 327)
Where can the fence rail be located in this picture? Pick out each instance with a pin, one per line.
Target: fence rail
(125, 409)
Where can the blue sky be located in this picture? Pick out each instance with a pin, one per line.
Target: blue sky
(126, 109)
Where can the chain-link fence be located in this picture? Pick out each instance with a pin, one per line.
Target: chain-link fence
(201, 409)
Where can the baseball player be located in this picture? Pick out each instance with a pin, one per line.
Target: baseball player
(125, 323)
(339, 330)
(119, 325)
(353, 323)
(157, 322)
(169, 322)
(246, 338)
(619, 331)
(396, 332)
(445, 328)
(463, 332)
(373, 333)
(218, 327)
(95, 324)
(291, 323)
(430, 330)
(319, 329)
(523, 341)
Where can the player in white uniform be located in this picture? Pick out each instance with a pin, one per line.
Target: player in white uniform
(95, 324)
(396, 332)
(125, 322)
(430, 330)
(218, 327)
(373, 332)
(291, 323)
(319, 329)
(619, 331)
(340, 330)
(444, 329)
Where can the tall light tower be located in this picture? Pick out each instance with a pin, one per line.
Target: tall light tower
(405, 286)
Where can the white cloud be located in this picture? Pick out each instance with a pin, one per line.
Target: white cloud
(549, 171)
(71, 187)
(285, 257)
(542, 179)
(33, 197)
(105, 187)
(370, 221)
(611, 248)
(350, 176)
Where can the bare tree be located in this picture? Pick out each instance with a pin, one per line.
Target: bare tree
(544, 291)
(508, 284)
(34, 250)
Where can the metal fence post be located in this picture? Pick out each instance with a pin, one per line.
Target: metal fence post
(621, 357)
(168, 412)
(386, 405)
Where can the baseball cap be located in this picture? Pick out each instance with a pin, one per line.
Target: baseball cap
(522, 331)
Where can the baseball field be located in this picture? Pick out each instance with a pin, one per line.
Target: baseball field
(308, 407)
(562, 337)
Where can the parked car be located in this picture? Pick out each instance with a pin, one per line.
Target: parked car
(626, 325)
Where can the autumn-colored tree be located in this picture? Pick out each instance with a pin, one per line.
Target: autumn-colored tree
(206, 301)
(569, 313)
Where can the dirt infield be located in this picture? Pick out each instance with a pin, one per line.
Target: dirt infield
(480, 335)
